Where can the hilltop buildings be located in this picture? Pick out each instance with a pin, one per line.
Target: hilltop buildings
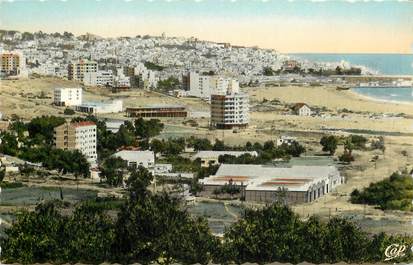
(229, 111)
(77, 136)
(65, 96)
(259, 183)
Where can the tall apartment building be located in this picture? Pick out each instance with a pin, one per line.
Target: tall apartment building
(12, 63)
(67, 96)
(77, 71)
(77, 136)
(203, 86)
(229, 111)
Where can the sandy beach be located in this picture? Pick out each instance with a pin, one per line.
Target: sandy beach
(329, 97)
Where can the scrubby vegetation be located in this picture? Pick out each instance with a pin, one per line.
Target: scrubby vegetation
(148, 228)
(394, 193)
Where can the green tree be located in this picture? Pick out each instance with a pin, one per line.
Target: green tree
(157, 229)
(394, 193)
(43, 127)
(147, 129)
(329, 144)
(9, 144)
(157, 146)
(68, 111)
(113, 170)
(200, 144)
(91, 235)
(2, 174)
(219, 145)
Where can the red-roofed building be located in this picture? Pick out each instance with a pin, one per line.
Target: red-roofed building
(302, 109)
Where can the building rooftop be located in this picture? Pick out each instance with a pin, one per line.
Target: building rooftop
(157, 106)
(83, 123)
(260, 177)
(135, 155)
(100, 103)
(299, 105)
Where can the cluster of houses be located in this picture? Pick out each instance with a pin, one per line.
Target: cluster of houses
(119, 62)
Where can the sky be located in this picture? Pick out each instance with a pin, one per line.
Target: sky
(326, 26)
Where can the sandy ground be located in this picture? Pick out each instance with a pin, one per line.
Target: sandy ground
(33, 97)
(18, 97)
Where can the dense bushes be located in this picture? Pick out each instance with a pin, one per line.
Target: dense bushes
(395, 193)
(155, 228)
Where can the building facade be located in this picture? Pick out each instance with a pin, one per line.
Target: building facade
(67, 96)
(76, 71)
(77, 136)
(259, 183)
(12, 64)
(99, 78)
(229, 111)
(113, 106)
(157, 111)
(302, 109)
(135, 159)
(203, 86)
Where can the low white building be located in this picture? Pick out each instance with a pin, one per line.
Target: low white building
(137, 158)
(114, 125)
(99, 78)
(288, 140)
(113, 106)
(262, 183)
(302, 109)
(67, 96)
(122, 81)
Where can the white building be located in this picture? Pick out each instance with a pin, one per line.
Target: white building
(99, 78)
(302, 109)
(230, 111)
(80, 136)
(137, 158)
(147, 76)
(86, 140)
(203, 86)
(113, 106)
(288, 140)
(67, 96)
(76, 71)
(114, 125)
(264, 183)
(122, 81)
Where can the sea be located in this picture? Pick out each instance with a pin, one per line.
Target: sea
(383, 64)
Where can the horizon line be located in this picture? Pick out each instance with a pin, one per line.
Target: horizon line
(215, 41)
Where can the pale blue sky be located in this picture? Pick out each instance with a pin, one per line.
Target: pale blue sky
(291, 26)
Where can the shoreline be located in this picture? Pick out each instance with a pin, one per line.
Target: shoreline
(370, 98)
